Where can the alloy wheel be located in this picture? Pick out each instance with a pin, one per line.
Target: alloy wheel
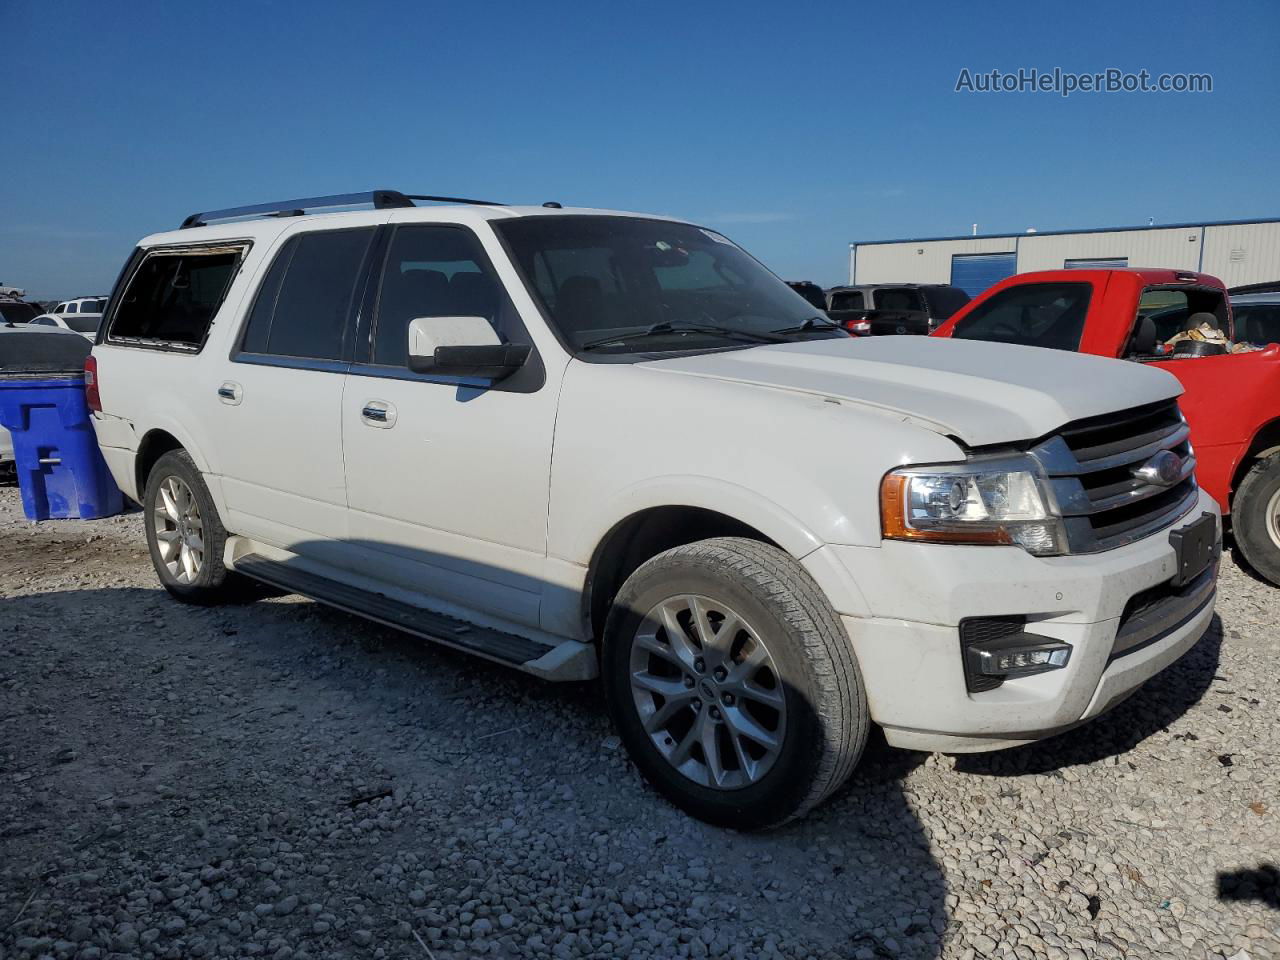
(707, 692)
(179, 529)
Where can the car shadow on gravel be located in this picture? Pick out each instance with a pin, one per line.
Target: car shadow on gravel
(866, 881)
(1152, 709)
(855, 878)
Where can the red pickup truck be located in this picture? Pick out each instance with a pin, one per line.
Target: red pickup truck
(1232, 399)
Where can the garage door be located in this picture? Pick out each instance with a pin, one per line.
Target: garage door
(974, 272)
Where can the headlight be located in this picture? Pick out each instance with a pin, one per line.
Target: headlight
(996, 502)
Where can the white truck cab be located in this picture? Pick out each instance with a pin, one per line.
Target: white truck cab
(585, 443)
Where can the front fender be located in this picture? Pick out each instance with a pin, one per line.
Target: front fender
(708, 493)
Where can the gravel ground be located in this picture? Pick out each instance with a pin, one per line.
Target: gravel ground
(282, 780)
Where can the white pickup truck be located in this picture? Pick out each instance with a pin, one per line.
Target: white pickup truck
(585, 443)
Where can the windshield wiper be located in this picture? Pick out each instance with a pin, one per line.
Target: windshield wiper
(665, 327)
(813, 323)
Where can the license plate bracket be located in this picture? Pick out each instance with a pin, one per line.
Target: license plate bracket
(1194, 548)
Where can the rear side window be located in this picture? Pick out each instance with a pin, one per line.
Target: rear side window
(304, 304)
(1036, 314)
(172, 296)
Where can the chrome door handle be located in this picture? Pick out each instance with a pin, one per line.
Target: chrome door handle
(378, 413)
(230, 392)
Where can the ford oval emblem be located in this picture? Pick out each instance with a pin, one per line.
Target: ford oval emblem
(1162, 470)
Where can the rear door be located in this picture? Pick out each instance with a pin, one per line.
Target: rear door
(276, 415)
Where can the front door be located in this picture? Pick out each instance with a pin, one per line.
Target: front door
(448, 479)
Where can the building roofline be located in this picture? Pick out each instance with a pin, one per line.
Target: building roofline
(1062, 233)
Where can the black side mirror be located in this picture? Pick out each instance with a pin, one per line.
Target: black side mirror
(493, 362)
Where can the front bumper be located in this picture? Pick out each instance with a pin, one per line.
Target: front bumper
(904, 624)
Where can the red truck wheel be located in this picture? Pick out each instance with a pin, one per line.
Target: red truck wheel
(1256, 518)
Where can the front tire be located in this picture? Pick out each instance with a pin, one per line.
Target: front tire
(1255, 518)
(184, 533)
(733, 684)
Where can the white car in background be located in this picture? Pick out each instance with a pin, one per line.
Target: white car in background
(85, 324)
(94, 305)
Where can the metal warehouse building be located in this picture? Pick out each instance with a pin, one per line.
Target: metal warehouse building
(1235, 251)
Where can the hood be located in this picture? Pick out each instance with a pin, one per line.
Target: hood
(982, 393)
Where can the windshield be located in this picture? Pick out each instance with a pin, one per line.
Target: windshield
(657, 285)
(86, 323)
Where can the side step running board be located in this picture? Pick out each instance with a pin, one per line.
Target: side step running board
(570, 660)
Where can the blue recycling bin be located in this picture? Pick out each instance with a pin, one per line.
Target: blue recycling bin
(60, 469)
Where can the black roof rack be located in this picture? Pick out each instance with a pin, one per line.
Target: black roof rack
(380, 199)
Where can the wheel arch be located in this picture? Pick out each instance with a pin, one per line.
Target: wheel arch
(155, 443)
(1265, 443)
(642, 535)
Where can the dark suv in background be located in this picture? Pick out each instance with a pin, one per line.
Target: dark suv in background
(887, 308)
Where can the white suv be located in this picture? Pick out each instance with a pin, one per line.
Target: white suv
(585, 443)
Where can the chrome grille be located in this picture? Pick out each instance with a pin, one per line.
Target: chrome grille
(1092, 464)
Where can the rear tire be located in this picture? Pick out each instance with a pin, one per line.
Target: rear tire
(784, 717)
(185, 536)
(1255, 518)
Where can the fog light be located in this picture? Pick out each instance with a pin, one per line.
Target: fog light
(997, 648)
(1023, 660)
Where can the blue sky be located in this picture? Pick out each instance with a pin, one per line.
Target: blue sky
(794, 127)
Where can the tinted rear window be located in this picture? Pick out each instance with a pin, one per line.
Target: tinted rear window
(899, 300)
(17, 312)
(847, 300)
(173, 295)
(305, 300)
(1036, 314)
